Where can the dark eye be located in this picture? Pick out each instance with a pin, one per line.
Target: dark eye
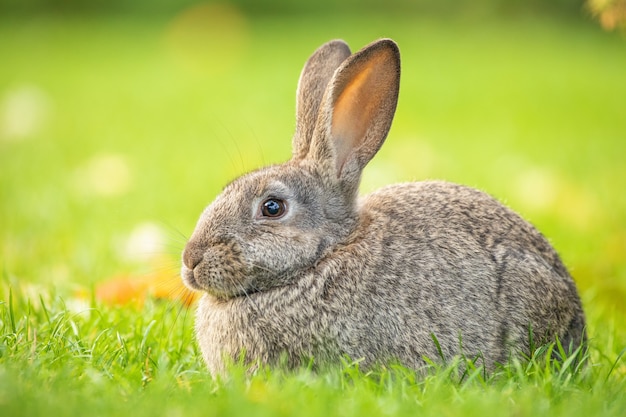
(273, 207)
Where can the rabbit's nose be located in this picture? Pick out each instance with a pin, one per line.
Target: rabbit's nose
(192, 256)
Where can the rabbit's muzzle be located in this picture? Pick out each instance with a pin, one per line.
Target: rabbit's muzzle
(215, 268)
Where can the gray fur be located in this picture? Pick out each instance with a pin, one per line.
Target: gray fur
(376, 278)
(314, 78)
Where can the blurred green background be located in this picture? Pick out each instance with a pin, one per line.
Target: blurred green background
(120, 120)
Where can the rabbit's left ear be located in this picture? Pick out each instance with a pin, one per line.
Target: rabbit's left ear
(357, 110)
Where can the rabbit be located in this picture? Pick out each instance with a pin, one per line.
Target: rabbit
(296, 269)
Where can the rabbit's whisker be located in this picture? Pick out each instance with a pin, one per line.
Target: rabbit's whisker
(245, 294)
(263, 268)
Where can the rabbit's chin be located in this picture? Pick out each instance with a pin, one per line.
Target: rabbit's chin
(191, 282)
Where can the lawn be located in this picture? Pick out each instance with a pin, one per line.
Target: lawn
(116, 131)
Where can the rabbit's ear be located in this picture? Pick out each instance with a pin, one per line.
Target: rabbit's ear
(357, 111)
(314, 79)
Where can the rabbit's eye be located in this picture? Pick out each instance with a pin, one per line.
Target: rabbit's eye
(273, 207)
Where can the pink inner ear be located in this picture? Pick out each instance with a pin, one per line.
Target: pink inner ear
(356, 107)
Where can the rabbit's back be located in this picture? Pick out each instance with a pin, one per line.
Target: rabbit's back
(444, 260)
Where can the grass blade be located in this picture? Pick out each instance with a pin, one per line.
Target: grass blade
(11, 314)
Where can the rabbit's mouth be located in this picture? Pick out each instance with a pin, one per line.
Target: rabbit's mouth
(189, 279)
(225, 296)
(222, 292)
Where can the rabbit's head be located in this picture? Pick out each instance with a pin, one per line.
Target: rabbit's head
(269, 225)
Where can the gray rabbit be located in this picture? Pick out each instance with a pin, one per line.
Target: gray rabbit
(295, 267)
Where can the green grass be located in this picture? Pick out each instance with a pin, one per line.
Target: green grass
(116, 361)
(126, 122)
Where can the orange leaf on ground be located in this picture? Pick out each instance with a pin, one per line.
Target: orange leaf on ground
(128, 289)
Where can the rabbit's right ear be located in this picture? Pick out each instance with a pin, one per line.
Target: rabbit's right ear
(314, 79)
(356, 112)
